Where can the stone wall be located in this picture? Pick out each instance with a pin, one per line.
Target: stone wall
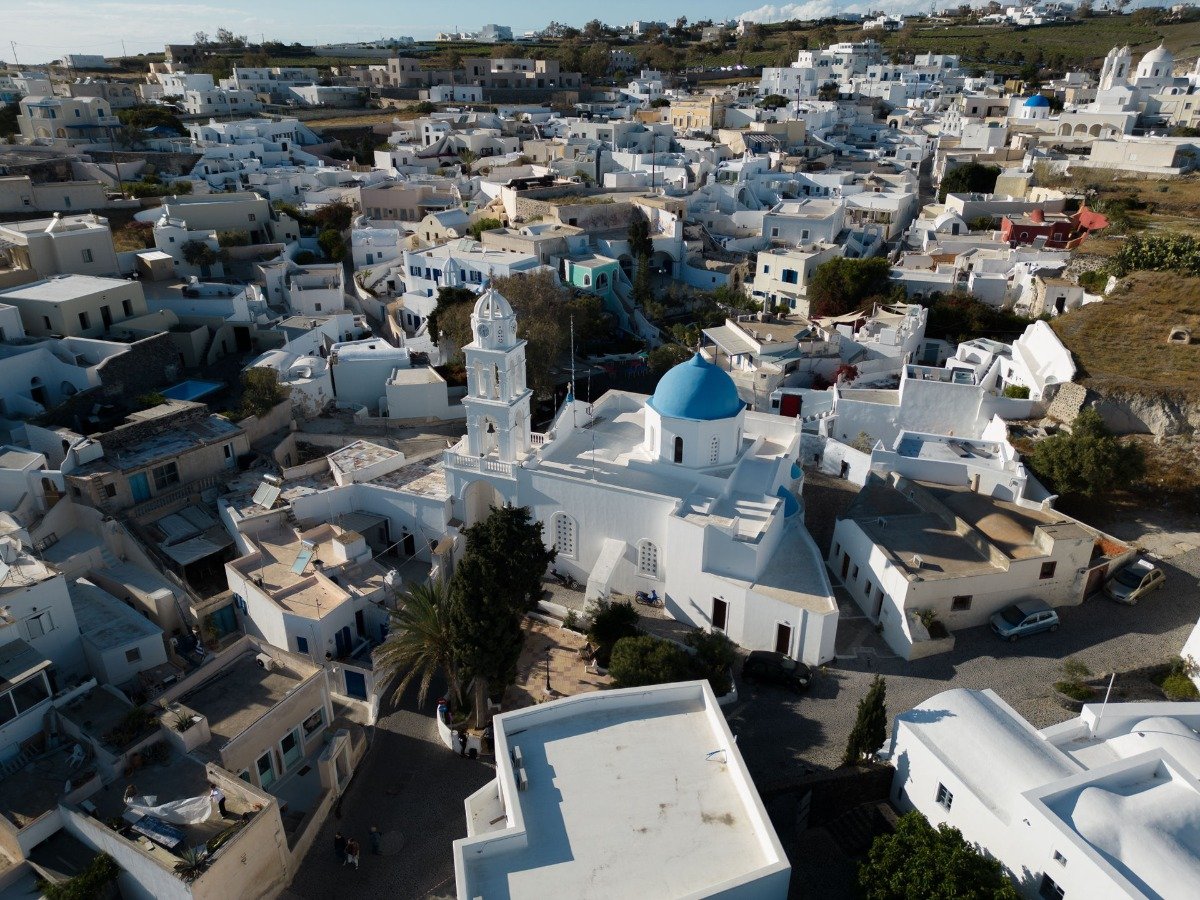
(1067, 403)
(136, 432)
(149, 363)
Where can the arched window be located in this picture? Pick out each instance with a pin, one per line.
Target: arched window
(714, 450)
(648, 559)
(678, 449)
(564, 534)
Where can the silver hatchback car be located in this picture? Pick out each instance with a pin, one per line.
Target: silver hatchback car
(1025, 617)
(1134, 581)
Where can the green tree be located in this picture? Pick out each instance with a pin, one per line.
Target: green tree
(420, 643)
(332, 244)
(261, 390)
(640, 243)
(840, 285)
(90, 883)
(540, 304)
(1088, 460)
(919, 861)
(611, 620)
(198, 253)
(870, 726)
(714, 658)
(496, 582)
(969, 178)
(481, 225)
(663, 358)
(139, 118)
(336, 215)
(9, 126)
(642, 660)
(773, 101)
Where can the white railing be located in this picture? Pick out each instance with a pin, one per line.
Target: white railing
(538, 438)
(477, 464)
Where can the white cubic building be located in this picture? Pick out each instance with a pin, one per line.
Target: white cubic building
(628, 793)
(1103, 805)
(686, 492)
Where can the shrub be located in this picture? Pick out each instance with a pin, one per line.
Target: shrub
(1095, 281)
(182, 721)
(638, 661)
(969, 178)
(148, 188)
(91, 882)
(233, 238)
(261, 391)
(714, 658)
(333, 245)
(840, 285)
(1076, 690)
(1016, 392)
(1088, 460)
(1180, 687)
(304, 257)
(150, 400)
(612, 620)
(1169, 252)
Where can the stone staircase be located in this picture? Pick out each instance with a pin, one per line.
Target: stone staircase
(856, 829)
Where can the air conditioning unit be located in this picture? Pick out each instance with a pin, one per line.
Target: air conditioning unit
(265, 661)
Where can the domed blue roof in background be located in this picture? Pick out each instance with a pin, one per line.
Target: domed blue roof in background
(1037, 100)
(696, 389)
(796, 473)
(791, 505)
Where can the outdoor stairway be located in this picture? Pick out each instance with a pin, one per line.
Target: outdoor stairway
(856, 829)
(109, 559)
(16, 764)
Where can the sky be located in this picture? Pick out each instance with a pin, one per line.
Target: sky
(36, 27)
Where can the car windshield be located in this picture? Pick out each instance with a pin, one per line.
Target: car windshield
(1012, 615)
(1130, 577)
(787, 664)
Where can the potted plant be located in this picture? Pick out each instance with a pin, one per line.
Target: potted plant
(182, 721)
(933, 624)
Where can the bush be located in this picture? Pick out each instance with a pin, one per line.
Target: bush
(233, 238)
(612, 620)
(261, 391)
(639, 661)
(970, 178)
(1170, 252)
(155, 188)
(1087, 461)
(304, 257)
(1076, 690)
(424, 108)
(150, 400)
(841, 285)
(1095, 281)
(713, 660)
(1016, 392)
(333, 245)
(1179, 687)
(88, 884)
(488, 224)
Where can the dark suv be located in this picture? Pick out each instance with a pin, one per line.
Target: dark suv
(763, 665)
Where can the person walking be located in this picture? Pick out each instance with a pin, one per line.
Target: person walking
(339, 846)
(352, 853)
(376, 841)
(218, 795)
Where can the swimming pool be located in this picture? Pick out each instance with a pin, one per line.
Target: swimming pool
(192, 390)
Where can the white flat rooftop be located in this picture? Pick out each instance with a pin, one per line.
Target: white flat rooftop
(631, 793)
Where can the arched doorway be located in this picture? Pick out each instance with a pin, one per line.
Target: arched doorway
(478, 498)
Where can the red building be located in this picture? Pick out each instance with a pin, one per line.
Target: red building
(1061, 231)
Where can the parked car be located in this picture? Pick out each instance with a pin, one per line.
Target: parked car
(763, 665)
(1023, 618)
(1134, 581)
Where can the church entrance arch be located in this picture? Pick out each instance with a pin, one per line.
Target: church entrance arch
(478, 498)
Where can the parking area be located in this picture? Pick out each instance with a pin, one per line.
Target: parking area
(783, 737)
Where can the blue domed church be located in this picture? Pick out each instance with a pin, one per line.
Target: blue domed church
(686, 492)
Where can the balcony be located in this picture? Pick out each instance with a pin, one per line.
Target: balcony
(484, 464)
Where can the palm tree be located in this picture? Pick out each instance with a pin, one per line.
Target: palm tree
(418, 644)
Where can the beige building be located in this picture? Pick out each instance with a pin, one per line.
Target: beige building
(66, 120)
(75, 305)
(782, 275)
(170, 450)
(698, 113)
(20, 194)
(61, 245)
(397, 202)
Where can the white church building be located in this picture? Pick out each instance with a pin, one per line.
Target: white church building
(686, 492)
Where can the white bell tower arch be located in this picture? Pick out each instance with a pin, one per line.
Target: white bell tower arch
(498, 400)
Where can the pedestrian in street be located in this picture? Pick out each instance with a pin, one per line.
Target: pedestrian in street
(352, 853)
(131, 791)
(339, 846)
(218, 795)
(462, 742)
(376, 841)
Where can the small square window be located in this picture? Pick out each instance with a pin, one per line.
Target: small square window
(1059, 858)
(133, 655)
(1048, 570)
(961, 603)
(945, 799)
(110, 490)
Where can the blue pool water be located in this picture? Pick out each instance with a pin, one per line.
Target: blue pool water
(192, 390)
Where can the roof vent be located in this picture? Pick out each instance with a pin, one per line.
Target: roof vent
(917, 562)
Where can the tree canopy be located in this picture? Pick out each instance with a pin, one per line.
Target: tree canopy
(841, 285)
(646, 659)
(1087, 460)
(496, 582)
(870, 726)
(261, 390)
(920, 861)
(968, 178)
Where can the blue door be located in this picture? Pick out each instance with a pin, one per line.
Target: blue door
(342, 639)
(356, 685)
(224, 620)
(140, 487)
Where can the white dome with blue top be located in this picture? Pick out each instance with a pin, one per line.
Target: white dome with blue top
(696, 390)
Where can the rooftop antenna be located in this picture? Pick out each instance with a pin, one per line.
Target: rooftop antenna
(570, 398)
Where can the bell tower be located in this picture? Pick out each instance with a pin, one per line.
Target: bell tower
(497, 401)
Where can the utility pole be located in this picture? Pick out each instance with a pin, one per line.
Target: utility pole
(124, 52)
(16, 62)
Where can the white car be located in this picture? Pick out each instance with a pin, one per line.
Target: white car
(1134, 581)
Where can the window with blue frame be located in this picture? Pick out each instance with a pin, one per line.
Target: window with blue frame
(301, 644)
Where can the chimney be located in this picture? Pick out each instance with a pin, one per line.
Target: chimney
(1038, 216)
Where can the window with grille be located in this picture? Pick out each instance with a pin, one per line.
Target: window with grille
(944, 797)
(648, 558)
(714, 450)
(564, 534)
